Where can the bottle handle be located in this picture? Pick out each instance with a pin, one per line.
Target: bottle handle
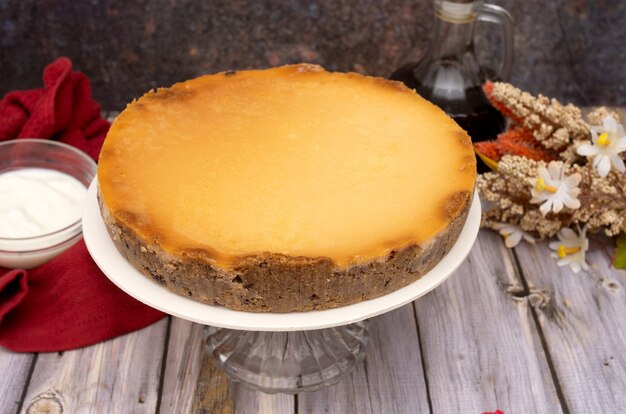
(491, 13)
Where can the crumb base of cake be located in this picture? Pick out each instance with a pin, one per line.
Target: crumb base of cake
(271, 282)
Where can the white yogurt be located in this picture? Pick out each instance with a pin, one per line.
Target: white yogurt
(38, 201)
(35, 202)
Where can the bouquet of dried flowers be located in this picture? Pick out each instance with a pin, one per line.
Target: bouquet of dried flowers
(554, 174)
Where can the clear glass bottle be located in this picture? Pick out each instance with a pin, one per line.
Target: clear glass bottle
(449, 74)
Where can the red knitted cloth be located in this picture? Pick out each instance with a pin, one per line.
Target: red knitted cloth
(66, 303)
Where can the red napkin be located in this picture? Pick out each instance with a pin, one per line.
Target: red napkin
(66, 303)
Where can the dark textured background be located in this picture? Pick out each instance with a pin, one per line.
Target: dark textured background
(574, 50)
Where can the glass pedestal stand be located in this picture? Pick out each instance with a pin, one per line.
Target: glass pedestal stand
(288, 362)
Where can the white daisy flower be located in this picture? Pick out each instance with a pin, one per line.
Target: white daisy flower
(608, 141)
(555, 189)
(512, 234)
(571, 249)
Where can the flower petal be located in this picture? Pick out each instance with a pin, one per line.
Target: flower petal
(595, 133)
(537, 197)
(543, 173)
(604, 166)
(618, 163)
(574, 192)
(575, 266)
(557, 205)
(567, 234)
(505, 231)
(586, 150)
(573, 180)
(546, 207)
(570, 202)
(535, 200)
(609, 123)
(513, 239)
(555, 170)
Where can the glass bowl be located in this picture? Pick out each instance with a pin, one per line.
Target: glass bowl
(29, 252)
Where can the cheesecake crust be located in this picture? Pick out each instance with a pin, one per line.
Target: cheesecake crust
(271, 282)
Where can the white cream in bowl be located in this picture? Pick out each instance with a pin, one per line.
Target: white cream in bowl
(39, 209)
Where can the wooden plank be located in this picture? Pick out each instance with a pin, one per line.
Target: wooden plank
(117, 376)
(14, 368)
(213, 391)
(182, 367)
(479, 340)
(192, 383)
(246, 401)
(583, 319)
(391, 379)
(349, 396)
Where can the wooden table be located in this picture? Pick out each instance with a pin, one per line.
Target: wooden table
(508, 330)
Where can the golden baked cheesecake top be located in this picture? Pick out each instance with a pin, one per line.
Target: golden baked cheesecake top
(291, 160)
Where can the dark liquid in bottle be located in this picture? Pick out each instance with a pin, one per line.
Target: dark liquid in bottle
(469, 107)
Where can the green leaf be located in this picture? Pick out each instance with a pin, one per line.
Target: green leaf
(620, 252)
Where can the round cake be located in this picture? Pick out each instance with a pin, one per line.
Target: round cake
(285, 189)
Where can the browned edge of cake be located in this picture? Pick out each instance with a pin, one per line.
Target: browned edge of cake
(271, 282)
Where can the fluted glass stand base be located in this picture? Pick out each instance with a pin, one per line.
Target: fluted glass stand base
(288, 362)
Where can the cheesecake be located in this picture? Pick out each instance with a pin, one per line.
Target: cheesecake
(284, 189)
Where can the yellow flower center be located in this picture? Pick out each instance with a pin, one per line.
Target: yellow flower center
(542, 186)
(564, 251)
(603, 139)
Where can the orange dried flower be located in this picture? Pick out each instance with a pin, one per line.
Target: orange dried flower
(500, 106)
(515, 141)
(520, 141)
(489, 149)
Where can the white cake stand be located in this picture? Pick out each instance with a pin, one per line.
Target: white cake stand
(272, 352)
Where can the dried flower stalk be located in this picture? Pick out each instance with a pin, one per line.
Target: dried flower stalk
(557, 131)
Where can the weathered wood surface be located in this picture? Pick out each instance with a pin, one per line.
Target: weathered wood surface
(391, 379)
(14, 372)
(116, 376)
(479, 340)
(531, 339)
(191, 383)
(583, 320)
